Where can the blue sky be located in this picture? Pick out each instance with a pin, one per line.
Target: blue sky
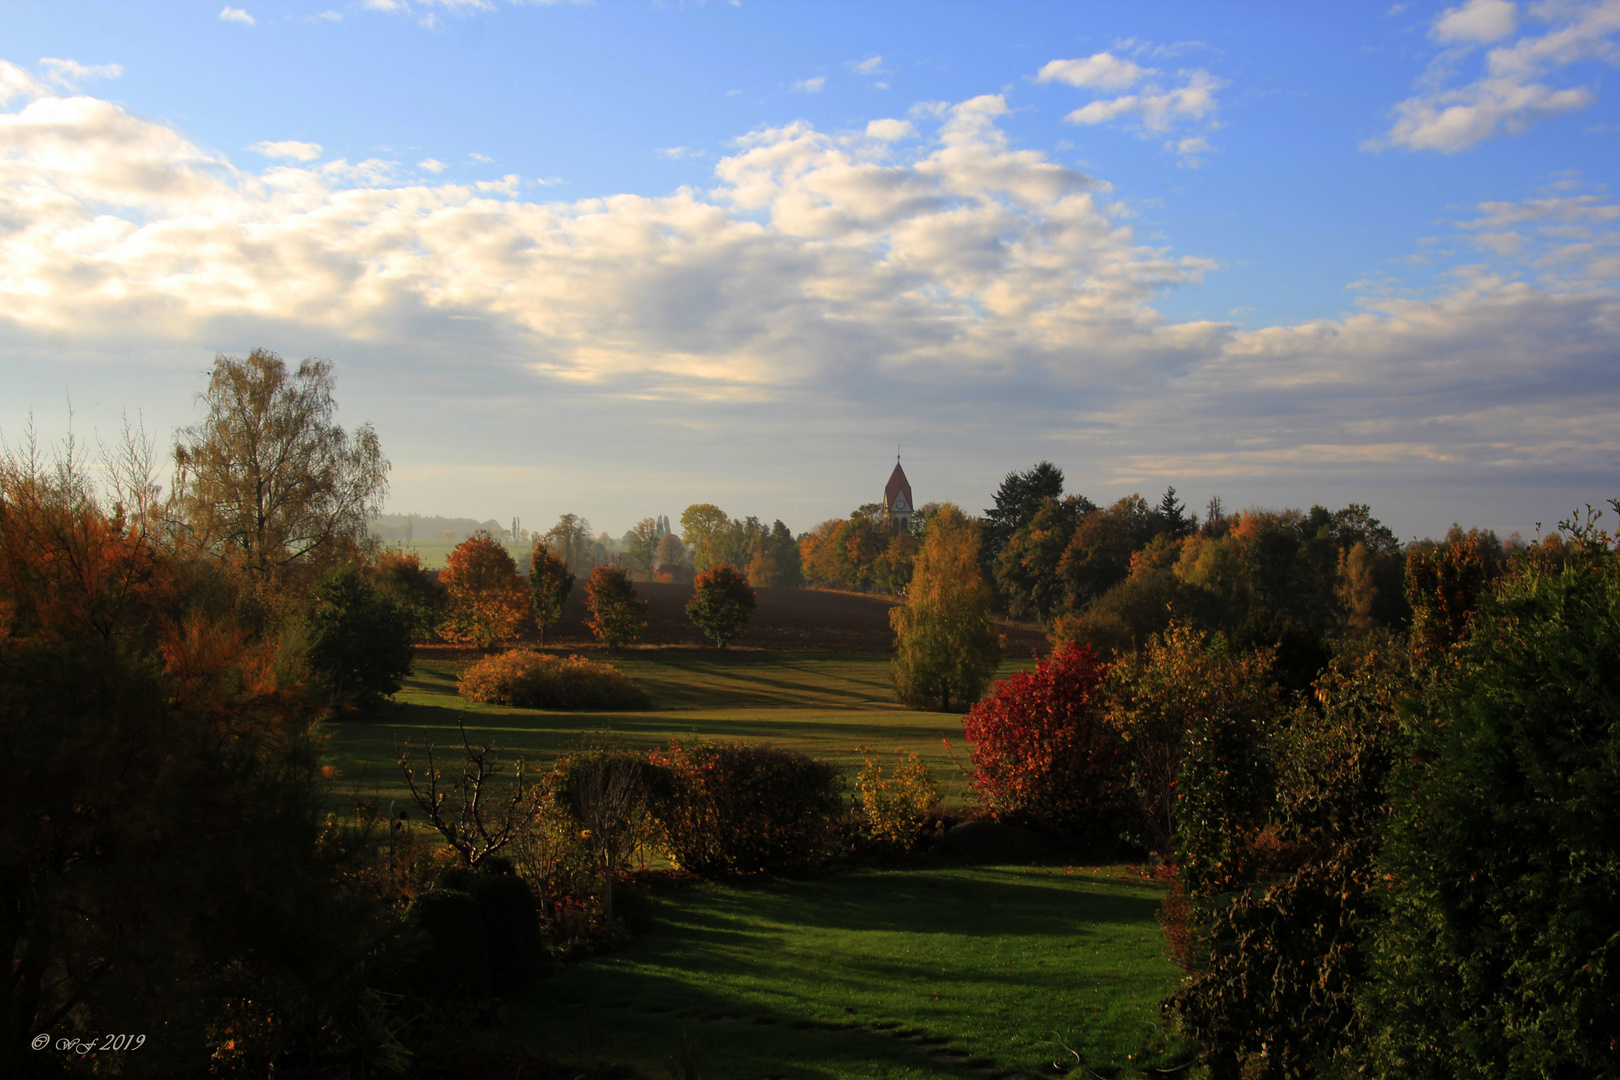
(613, 259)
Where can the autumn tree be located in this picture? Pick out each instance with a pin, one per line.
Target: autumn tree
(892, 569)
(487, 600)
(672, 553)
(948, 648)
(1193, 714)
(1501, 860)
(775, 562)
(1098, 556)
(641, 547)
(550, 582)
(269, 477)
(818, 555)
(716, 538)
(704, 528)
(1017, 500)
(360, 637)
(722, 603)
(571, 539)
(157, 787)
(1027, 569)
(618, 614)
(414, 589)
(1444, 585)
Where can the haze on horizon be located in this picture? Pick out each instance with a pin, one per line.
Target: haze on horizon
(617, 259)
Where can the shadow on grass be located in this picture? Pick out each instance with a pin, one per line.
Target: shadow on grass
(872, 974)
(928, 903)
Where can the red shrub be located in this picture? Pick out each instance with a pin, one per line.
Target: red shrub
(1043, 751)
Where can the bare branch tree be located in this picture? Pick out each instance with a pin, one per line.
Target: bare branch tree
(478, 821)
(607, 792)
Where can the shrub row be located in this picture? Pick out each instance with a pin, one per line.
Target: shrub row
(742, 808)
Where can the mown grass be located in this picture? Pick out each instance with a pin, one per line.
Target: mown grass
(932, 970)
(922, 972)
(827, 705)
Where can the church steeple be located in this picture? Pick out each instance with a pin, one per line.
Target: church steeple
(897, 502)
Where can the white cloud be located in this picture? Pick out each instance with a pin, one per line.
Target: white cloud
(510, 184)
(890, 130)
(810, 86)
(1157, 111)
(872, 65)
(1159, 105)
(677, 153)
(231, 14)
(288, 149)
(481, 158)
(70, 73)
(1103, 71)
(1478, 22)
(15, 82)
(1510, 94)
(432, 165)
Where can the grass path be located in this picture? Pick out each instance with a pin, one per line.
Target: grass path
(936, 971)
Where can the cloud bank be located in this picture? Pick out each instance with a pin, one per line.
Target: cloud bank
(831, 275)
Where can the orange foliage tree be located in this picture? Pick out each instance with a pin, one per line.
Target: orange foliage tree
(486, 599)
(157, 819)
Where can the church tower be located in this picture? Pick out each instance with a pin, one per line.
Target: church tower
(897, 501)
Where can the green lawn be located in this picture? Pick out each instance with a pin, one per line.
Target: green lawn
(934, 971)
(825, 704)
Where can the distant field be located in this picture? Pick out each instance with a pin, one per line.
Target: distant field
(825, 704)
(931, 971)
(815, 619)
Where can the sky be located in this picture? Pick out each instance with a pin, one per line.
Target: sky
(613, 259)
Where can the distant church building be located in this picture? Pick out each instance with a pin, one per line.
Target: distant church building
(897, 502)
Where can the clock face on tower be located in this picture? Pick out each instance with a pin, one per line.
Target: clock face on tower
(900, 503)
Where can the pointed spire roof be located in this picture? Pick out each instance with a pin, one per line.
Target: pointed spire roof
(897, 485)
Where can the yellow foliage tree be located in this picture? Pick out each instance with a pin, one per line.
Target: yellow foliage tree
(948, 648)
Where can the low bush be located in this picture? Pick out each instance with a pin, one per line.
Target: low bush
(1043, 752)
(511, 925)
(897, 800)
(742, 808)
(455, 962)
(531, 680)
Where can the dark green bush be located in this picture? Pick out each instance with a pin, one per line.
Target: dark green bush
(455, 962)
(743, 808)
(360, 639)
(531, 680)
(1276, 968)
(1500, 955)
(510, 925)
